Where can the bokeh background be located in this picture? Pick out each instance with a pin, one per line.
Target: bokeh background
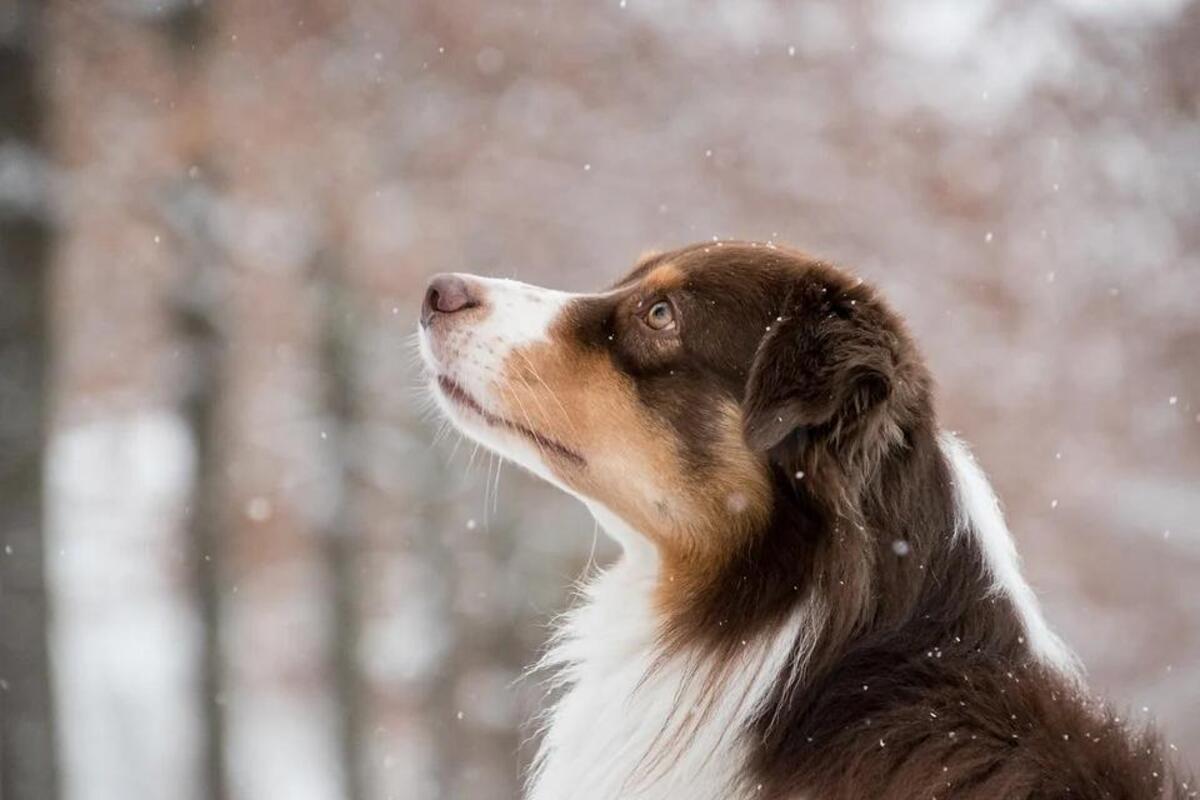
(236, 562)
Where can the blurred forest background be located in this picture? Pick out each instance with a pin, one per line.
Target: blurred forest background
(236, 565)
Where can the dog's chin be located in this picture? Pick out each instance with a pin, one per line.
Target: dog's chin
(492, 431)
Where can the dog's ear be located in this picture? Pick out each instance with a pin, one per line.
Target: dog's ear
(822, 368)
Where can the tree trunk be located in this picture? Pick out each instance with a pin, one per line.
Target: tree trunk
(27, 746)
(200, 297)
(341, 535)
(204, 349)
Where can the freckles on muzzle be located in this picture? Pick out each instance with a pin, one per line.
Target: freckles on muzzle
(471, 330)
(513, 369)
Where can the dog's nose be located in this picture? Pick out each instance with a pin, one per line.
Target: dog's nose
(446, 294)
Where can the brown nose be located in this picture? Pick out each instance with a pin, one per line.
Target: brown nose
(446, 294)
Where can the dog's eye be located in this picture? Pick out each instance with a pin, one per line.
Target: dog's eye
(661, 316)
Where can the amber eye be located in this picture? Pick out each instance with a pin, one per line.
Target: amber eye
(661, 316)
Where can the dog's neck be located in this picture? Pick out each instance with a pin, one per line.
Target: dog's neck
(640, 720)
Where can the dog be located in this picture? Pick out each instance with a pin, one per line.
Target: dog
(817, 595)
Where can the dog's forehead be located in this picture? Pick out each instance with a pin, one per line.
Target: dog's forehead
(650, 264)
(723, 267)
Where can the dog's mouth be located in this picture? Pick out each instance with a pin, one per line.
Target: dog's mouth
(462, 398)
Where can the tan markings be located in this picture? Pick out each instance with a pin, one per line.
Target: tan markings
(663, 277)
(732, 500)
(697, 517)
(579, 399)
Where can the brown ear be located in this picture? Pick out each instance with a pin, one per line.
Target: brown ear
(822, 367)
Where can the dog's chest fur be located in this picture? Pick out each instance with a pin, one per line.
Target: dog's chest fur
(630, 725)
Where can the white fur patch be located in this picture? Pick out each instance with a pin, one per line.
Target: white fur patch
(632, 726)
(474, 355)
(979, 512)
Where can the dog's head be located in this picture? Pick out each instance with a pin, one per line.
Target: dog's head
(690, 398)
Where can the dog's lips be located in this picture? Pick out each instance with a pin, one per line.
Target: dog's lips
(454, 392)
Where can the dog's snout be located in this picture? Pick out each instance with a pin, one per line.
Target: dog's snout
(447, 294)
